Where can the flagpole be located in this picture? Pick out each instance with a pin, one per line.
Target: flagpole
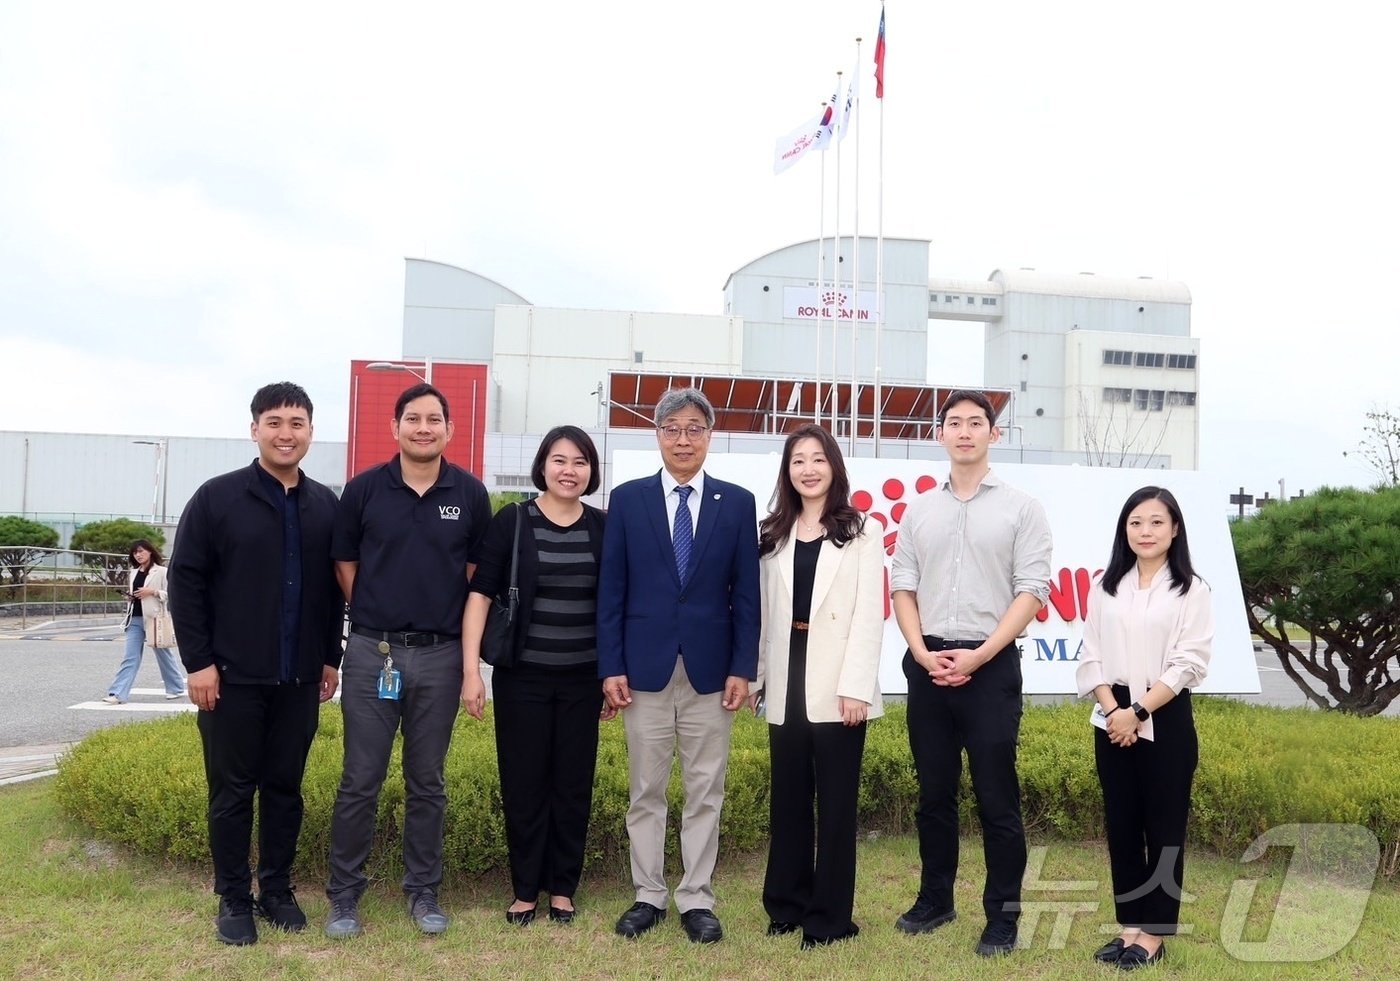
(880, 227)
(836, 290)
(821, 260)
(854, 92)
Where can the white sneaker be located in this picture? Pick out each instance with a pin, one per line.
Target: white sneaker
(178, 694)
(112, 700)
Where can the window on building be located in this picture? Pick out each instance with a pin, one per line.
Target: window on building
(948, 298)
(1181, 398)
(1156, 399)
(1181, 361)
(1118, 395)
(989, 301)
(1117, 357)
(1147, 359)
(971, 300)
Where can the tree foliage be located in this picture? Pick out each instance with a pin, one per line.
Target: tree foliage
(110, 540)
(1329, 564)
(1112, 435)
(21, 545)
(1380, 445)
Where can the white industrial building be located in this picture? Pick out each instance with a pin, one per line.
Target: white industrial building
(1088, 369)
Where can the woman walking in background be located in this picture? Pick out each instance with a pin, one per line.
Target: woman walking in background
(546, 693)
(146, 600)
(819, 657)
(1147, 638)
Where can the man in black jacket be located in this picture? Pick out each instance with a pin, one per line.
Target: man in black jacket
(259, 617)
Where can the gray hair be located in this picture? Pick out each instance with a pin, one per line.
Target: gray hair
(677, 399)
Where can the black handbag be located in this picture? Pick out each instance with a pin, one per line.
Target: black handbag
(498, 637)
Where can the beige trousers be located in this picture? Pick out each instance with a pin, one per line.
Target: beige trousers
(658, 725)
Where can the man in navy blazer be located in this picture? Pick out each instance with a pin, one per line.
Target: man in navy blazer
(678, 617)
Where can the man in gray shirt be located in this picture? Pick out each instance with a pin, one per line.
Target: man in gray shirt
(971, 569)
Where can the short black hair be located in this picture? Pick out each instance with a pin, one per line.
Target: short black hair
(277, 395)
(417, 392)
(579, 438)
(972, 395)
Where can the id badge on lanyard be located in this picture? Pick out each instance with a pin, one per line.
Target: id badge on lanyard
(390, 681)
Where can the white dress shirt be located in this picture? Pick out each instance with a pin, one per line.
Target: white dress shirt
(1146, 636)
(673, 500)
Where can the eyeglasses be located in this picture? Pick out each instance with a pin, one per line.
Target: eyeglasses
(673, 433)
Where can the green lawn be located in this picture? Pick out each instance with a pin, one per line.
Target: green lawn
(73, 907)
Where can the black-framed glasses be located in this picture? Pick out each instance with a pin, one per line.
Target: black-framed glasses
(673, 433)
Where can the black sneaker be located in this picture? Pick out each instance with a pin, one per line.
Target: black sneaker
(235, 924)
(280, 908)
(923, 916)
(998, 937)
(426, 914)
(344, 918)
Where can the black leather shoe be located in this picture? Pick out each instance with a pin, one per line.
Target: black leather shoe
(810, 940)
(280, 908)
(1110, 952)
(235, 924)
(639, 919)
(1135, 956)
(557, 915)
(779, 928)
(702, 926)
(923, 917)
(998, 937)
(521, 917)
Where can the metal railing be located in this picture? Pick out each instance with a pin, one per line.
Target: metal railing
(41, 584)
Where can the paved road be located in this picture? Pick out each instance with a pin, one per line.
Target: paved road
(42, 680)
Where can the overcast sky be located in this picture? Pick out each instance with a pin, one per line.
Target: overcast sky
(196, 201)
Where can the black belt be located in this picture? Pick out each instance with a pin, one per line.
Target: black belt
(939, 644)
(405, 638)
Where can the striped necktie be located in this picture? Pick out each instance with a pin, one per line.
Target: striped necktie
(682, 535)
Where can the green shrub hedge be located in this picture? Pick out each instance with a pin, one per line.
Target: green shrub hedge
(143, 785)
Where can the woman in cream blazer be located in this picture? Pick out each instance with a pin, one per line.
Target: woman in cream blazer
(822, 583)
(146, 597)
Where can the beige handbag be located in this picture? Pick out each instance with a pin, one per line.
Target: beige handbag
(160, 629)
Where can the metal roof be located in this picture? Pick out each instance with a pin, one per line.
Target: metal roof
(1091, 285)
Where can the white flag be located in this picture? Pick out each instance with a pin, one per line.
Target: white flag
(815, 134)
(848, 108)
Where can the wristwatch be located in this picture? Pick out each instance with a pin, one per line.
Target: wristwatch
(1142, 713)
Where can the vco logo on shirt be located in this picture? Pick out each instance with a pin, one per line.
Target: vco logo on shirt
(449, 512)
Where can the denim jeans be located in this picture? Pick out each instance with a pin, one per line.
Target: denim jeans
(170, 672)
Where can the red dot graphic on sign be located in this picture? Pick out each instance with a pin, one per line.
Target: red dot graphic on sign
(861, 500)
(897, 512)
(925, 484)
(893, 490)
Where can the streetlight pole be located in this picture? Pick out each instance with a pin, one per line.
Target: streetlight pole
(160, 492)
(427, 365)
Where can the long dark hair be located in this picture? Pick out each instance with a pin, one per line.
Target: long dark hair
(841, 520)
(1122, 559)
(146, 544)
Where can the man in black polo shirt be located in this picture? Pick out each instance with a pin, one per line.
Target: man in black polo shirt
(406, 541)
(259, 616)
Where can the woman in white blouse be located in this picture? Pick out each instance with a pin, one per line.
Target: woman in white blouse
(821, 575)
(1147, 639)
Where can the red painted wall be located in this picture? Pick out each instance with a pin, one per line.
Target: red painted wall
(372, 397)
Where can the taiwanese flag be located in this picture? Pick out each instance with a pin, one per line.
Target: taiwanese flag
(880, 58)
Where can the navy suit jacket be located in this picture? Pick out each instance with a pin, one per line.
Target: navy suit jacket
(645, 618)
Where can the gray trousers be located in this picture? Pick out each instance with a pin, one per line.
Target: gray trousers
(432, 691)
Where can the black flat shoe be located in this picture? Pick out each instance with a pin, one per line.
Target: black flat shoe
(702, 926)
(1110, 952)
(523, 917)
(1135, 956)
(780, 928)
(557, 915)
(810, 940)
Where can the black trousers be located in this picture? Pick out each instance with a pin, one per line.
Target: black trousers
(1146, 799)
(813, 762)
(983, 717)
(255, 741)
(547, 750)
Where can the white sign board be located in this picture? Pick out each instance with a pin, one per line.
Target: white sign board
(833, 303)
(1082, 504)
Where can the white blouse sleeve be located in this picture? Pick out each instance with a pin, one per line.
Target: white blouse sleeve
(1188, 654)
(1089, 674)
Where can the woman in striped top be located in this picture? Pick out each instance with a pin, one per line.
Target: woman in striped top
(547, 700)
